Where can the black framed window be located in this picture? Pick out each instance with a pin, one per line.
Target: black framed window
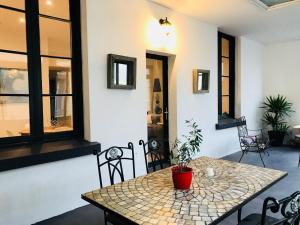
(40, 70)
(226, 61)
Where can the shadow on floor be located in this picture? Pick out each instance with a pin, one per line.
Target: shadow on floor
(282, 158)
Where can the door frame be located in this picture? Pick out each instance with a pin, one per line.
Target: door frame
(165, 61)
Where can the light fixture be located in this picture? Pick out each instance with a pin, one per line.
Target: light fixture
(22, 20)
(49, 2)
(166, 25)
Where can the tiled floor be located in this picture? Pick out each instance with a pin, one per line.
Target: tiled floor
(280, 158)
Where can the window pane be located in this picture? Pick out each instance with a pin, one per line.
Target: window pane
(225, 67)
(19, 4)
(58, 114)
(55, 37)
(56, 76)
(13, 74)
(14, 116)
(13, 30)
(55, 8)
(225, 47)
(225, 104)
(225, 86)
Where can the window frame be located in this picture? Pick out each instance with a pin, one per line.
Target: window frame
(34, 56)
(232, 74)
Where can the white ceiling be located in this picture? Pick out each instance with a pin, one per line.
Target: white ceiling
(243, 17)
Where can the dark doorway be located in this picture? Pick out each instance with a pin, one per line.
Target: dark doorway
(157, 101)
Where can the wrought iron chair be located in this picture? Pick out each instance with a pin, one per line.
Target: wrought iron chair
(152, 151)
(255, 142)
(113, 158)
(288, 207)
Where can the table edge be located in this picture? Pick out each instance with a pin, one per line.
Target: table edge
(236, 208)
(105, 209)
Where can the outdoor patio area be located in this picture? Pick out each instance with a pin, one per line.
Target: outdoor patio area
(283, 158)
(149, 112)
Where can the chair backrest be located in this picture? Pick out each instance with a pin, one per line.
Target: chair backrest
(242, 127)
(288, 207)
(243, 133)
(112, 159)
(152, 152)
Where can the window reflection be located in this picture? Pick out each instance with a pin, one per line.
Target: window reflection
(55, 37)
(13, 74)
(13, 30)
(56, 76)
(58, 114)
(225, 104)
(55, 8)
(19, 4)
(14, 116)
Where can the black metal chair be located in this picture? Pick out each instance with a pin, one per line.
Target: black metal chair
(113, 158)
(152, 151)
(289, 209)
(255, 142)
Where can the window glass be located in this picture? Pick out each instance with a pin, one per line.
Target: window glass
(225, 86)
(14, 116)
(55, 8)
(225, 67)
(19, 4)
(225, 47)
(55, 37)
(13, 74)
(225, 104)
(56, 76)
(13, 30)
(58, 114)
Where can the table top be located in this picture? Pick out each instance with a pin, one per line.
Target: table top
(152, 199)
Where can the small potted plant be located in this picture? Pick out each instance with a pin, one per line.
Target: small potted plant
(182, 153)
(277, 108)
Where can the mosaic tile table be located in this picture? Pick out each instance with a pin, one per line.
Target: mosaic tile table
(151, 199)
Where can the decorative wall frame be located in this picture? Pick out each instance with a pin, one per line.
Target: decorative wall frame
(121, 72)
(201, 80)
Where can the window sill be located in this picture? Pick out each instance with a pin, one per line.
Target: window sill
(39, 153)
(228, 123)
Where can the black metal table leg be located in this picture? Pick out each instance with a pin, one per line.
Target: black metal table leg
(240, 215)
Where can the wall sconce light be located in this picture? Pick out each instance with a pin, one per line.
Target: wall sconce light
(166, 25)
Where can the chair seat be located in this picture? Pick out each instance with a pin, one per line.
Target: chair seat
(255, 219)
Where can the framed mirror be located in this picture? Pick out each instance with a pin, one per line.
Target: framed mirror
(201, 81)
(121, 72)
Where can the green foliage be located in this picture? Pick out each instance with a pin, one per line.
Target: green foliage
(277, 108)
(183, 150)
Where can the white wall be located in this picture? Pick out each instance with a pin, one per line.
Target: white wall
(282, 74)
(250, 81)
(114, 117)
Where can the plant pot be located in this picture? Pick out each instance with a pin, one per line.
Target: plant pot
(182, 177)
(276, 137)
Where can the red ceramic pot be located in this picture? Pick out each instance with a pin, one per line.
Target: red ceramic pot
(182, 177)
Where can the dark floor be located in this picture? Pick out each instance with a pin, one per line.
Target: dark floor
(280, 158)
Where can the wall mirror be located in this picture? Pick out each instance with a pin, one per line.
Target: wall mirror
(201, 81)
(121, 72)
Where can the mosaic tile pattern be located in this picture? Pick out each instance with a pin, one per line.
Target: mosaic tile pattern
(152, 199)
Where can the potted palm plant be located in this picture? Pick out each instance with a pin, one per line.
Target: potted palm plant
(182, 153)
(277, 108)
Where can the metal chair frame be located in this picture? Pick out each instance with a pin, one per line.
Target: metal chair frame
(114, 156)
(289, 208)
(256, 143)
(151, 148)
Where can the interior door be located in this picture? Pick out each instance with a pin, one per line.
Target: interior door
(157, 99)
